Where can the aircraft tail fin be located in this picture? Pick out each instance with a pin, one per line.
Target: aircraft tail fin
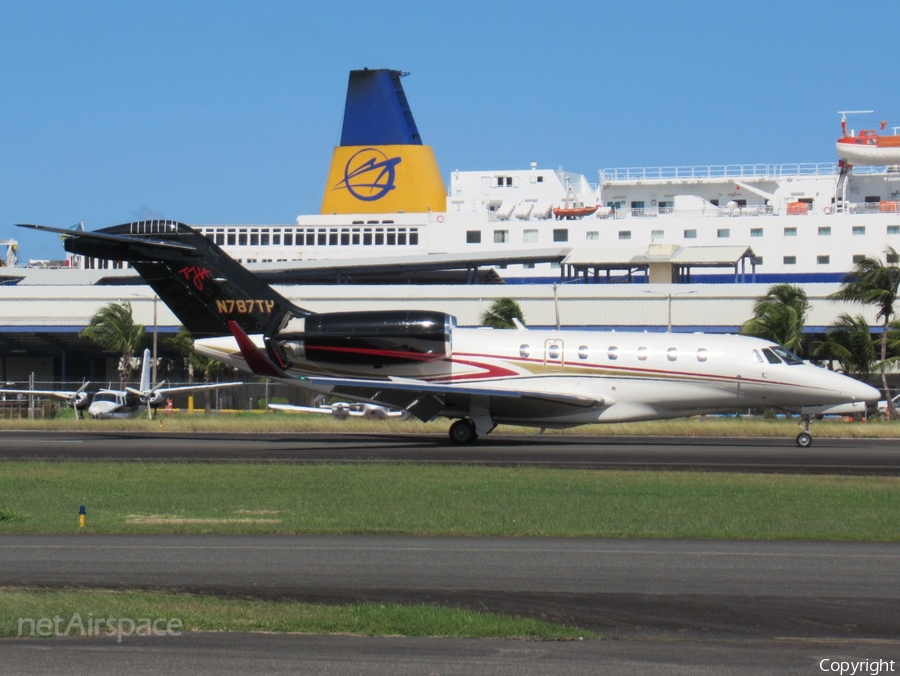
(201, 284)
(381, 165)
(145, 371)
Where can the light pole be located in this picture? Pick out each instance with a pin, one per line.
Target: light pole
(668, 297)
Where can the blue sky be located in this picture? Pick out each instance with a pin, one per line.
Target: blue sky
(227, 111)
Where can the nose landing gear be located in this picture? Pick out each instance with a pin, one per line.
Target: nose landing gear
(804, 439)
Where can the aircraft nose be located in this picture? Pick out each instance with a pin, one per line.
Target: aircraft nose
(862, 392)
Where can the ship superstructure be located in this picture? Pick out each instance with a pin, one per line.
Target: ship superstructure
(385, 197)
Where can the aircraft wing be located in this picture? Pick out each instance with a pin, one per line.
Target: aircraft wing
(301, 409)
(58, 394)
(163, 391)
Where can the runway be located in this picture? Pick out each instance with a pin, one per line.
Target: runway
(826, 456)
(620, 588)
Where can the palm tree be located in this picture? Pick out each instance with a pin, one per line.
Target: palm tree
(183, 343)
(849, 340)
(501, 314)
(780, 316)
(113, 328)
(873, 282)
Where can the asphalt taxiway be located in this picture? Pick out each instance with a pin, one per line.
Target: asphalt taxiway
(826, 456)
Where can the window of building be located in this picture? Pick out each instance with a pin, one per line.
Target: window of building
(756, 232)
(790, 232)
(758, 260)
(823, 260)
(473, 237)
(858, 258)
(859, 230)
(723, 233)
(560, 234)
(790, 260)
(501, 236)
(690, 234)
(530, 236)
(624, 234)
(592, 235)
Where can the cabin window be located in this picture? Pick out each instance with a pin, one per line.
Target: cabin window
(391, 237)
(756, 232)
(583, 352)
(790, 260)
(333, 237)
(254, 237)
(553, 351)
(825, 231)
(592, 235)
(220, 237)
(322, 238)
(473, 237)
(276, 238)
(702, 354)
(859, 230)
(289, 239)
(612, 353)
(561, 235)
(524, 351)
(379, 237)
(656, 234)
(624, 234)
(758, 260)
(242, 238)
(345, 237)
(530, 236)
(642, 353)
(672, 353)
(823, 260)
(723, 233)
(355, 236)
(367, 237)
(893, 230)
(264, 238)
(414, 237)
(401, 236)
(501, 236)
(790, 232)
(858, 258)
(690, 234)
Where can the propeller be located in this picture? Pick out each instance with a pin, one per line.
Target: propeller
(146, 396)
(77, 397)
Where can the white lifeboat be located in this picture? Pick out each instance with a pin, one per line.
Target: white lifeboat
(869, 148)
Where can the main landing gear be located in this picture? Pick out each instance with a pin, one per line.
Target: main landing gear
(804, 439)
(463, 433)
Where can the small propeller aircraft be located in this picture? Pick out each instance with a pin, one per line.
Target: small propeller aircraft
(127, 403)
(342, 410)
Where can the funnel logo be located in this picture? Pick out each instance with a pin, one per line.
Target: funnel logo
(369, 175)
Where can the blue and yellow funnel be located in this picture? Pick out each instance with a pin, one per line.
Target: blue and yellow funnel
(381, 165)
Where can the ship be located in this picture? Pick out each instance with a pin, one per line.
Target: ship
(385, 200)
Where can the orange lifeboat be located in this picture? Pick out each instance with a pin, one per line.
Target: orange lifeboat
(569, 213)
(869, 148)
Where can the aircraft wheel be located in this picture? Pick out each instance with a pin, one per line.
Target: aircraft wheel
(804, 440)
(462, 432)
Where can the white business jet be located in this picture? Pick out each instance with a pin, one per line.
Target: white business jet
(420, 362)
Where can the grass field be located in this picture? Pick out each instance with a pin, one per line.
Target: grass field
(82, 609)
(439, 500)
(253, 422)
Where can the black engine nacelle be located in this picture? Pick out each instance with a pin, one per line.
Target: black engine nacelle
(376, 338)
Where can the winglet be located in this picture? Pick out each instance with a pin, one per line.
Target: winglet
(258, 362)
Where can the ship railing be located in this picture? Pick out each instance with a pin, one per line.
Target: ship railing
(708, 212)
(718, 171)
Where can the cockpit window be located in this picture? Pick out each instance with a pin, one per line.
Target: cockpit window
(105, 396)
(788, 356)
(757, 359)
(771, 357)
